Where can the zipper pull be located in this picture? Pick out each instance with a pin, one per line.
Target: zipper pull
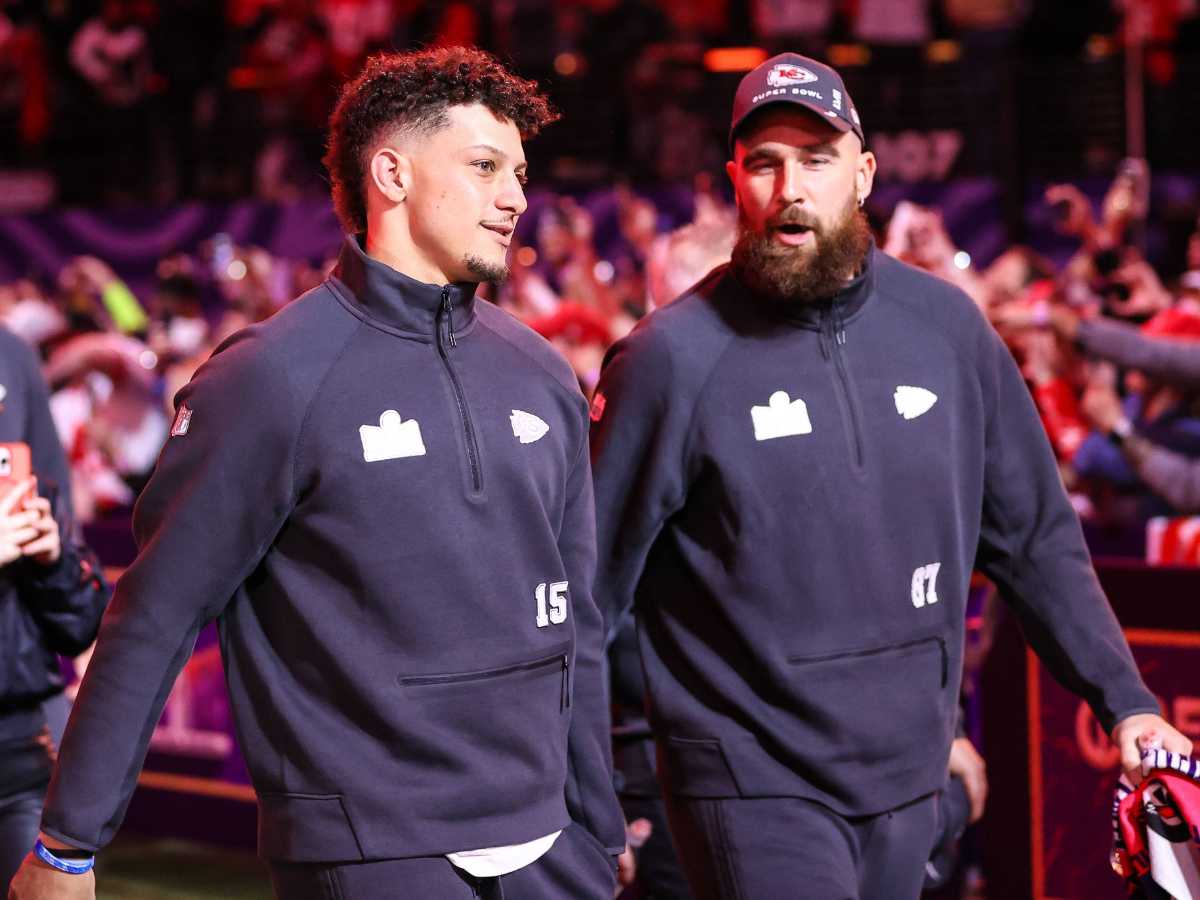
(448, 309)
(823, 337)
(564, 701)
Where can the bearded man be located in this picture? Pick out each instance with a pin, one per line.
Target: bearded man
(797, 466)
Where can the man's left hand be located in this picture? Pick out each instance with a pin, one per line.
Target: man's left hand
(967, 764)
(46, 546)
(1143, 732)
(636, 834)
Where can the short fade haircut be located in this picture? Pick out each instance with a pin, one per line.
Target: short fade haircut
(412, 92)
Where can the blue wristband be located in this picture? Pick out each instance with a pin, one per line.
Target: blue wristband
(70, 866)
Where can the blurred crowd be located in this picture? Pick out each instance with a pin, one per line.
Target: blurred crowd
(1109, 348)
(114, 361)
(157, 100)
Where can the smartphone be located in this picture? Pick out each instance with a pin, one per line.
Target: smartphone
(15, 466)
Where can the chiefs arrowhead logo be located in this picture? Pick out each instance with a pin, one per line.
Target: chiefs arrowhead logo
(784, 74)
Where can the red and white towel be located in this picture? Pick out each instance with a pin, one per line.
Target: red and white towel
(1156, 829)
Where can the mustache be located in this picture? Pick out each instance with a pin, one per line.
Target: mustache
(795, 215)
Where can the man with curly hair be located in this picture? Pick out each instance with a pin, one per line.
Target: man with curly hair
(382, 494)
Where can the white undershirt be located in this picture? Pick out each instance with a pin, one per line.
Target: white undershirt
(493, 861)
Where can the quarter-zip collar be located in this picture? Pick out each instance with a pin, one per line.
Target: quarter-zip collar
(840, 309)
(392, 298)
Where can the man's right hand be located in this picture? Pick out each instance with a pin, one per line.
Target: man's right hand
(37, 881)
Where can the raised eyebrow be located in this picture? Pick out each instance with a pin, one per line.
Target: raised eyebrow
(759, 155)
(827, 148)
(495, 151)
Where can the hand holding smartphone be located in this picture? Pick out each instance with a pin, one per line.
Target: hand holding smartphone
(18, 524)
(27, 524)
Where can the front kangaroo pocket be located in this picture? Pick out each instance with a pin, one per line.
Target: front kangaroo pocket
(503, 727)
(878, 708)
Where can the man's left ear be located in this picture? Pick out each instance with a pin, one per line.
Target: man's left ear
(864, 176)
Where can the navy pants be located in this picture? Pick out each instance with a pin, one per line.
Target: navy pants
(20, 818)
(575, 868)
(785, 848)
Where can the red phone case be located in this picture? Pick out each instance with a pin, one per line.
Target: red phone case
(15, 467)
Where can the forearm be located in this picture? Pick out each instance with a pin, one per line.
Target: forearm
(1032, 546)
(1174, 477)
(1069, 623)
(119, 703)
(1177, 362)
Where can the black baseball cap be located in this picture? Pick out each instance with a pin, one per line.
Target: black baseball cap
(792, 78)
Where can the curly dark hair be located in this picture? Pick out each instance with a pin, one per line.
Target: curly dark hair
(412, 91)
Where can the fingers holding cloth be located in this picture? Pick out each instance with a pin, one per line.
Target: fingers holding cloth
(1146, 731)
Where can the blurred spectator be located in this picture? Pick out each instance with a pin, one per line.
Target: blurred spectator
(108, 413)
(1174, 476)
(893, 23)
(798, 26)
(194, 85)
(357, 28)
(51, 598)
(679, 259)
(179, 328)
(111, 53)
(984, 15)
(567, 261)
(581, 335)
(26, 312)
(287, 65)
(919, 237)
(97, 299)
(24, 87)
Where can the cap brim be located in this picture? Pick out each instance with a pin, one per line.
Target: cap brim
(837, 122)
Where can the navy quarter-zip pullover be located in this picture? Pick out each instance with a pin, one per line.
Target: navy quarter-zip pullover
(383, 496)
(795, 505)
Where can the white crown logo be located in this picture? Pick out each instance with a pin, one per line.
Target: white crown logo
(781, 417)
(392, 438)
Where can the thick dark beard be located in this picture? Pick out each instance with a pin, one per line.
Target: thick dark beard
(796, 277)
(484, 270)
